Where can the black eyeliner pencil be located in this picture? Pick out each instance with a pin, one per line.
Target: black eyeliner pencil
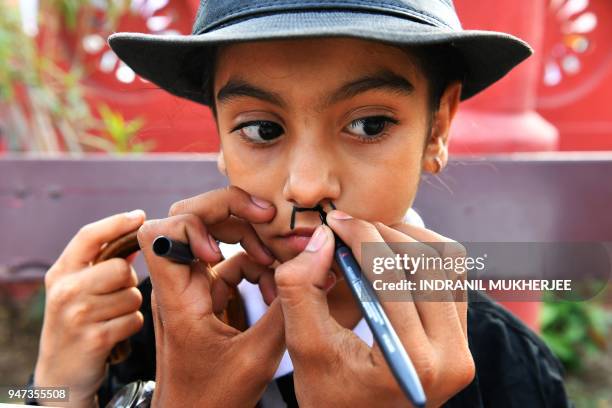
(392, 348)
(173, 250)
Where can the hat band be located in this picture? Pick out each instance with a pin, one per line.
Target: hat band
(405, 13)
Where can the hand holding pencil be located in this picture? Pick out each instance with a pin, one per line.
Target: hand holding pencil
(333, 360)
(201, 361)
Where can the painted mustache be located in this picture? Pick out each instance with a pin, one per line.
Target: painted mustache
(318, 208)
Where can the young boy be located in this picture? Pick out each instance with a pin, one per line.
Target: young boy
(316, 102)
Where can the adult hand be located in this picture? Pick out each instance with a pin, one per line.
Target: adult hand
(88, 309)
(201, 361)
(332, 366)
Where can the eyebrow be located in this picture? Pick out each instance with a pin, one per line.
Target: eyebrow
(383, 79)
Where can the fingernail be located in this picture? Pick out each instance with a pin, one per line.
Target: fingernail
(261, 203)
(135, 215)
(317, 240)
(340, 215)
(213, 244)
(331, 281)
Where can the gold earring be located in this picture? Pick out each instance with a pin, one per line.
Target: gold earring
(438, 165)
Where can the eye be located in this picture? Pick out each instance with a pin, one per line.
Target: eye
(259, 131)
(370, 128)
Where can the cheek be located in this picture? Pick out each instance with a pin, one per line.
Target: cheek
(386, 180)
(251, 171)
(387, 191)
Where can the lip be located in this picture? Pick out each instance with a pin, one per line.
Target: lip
(297, 239)
(300, 231)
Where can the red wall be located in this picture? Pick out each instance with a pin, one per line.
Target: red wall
(578, 58)
(522, 112)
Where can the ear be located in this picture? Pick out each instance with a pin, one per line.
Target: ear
(221, 163)
(437, 144)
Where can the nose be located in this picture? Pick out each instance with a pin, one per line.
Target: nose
(311, 177)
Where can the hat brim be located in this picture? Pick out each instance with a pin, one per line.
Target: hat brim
(178, 63)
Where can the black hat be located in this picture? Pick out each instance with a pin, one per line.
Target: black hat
(180, 63)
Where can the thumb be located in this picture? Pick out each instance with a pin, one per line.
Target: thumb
(302, 285)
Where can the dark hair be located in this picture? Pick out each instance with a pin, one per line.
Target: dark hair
(439, 63)
(208, 81)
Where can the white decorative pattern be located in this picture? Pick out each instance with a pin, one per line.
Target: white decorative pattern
(575, 22)
(157, 16)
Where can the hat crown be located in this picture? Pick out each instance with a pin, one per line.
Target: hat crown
(214, 14)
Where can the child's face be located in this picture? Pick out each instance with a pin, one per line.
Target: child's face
(311, 140)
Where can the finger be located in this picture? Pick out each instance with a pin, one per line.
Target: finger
(179, 289)
(444, 245)
(229, 273)
(217, 206)
(122, 327)
(86, 244)
(202, 244)
(423, 267)
(301, 284)
(403, 314)
(109, 276)
(234, 230)
(447, 248)
(439, 314)
(221, 207)
(354, 233)
(109, 306)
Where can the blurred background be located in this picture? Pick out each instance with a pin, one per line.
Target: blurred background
(69, 107)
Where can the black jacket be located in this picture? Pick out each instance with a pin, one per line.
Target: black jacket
(514, 368)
